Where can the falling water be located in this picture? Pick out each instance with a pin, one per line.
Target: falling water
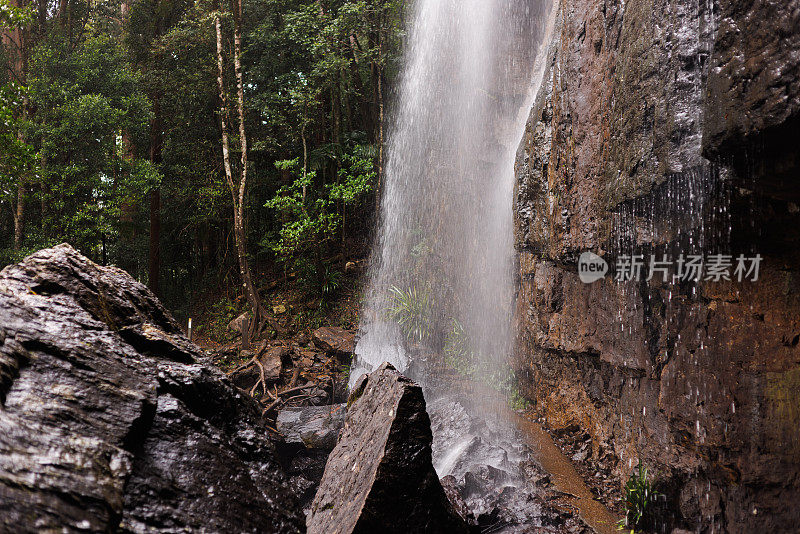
(446, 228)
(445, 243)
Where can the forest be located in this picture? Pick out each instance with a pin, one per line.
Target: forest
(400, 266)
(204, 147)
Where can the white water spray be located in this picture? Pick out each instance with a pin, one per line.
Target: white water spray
(446, 225)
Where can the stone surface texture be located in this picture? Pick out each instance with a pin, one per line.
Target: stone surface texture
(668, 127)
(334, 340)
(309, 435)
(110, 421)
(380, 476)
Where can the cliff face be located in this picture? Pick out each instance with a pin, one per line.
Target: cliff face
(668, 128)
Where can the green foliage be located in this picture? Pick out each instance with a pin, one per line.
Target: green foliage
(412, 310)
(312, 217)
(308, 222)
(222, 313)
(17, 156)
(12, 16)
(89, 104)
(116, 107)
(640, 498)
(356, 175)
(319, 279)
(331, 280)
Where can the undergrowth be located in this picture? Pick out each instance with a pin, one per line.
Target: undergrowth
(640, 499)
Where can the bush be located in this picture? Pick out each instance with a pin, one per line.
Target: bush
(411, 309)
(640, 499)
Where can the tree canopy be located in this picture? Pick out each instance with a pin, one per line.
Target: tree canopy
(111, 133)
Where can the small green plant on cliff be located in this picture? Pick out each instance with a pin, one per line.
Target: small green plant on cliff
(411, 309)
(640, 498)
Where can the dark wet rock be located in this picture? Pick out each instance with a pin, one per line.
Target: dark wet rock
(312, 427)
(309, 435)
(334, 340)
(753, 94)
(453, 491)
(380, 476)
(305, 469)
(319, 396)
(112, 421)
(661, 127)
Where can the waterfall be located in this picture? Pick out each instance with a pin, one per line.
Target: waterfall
(441, 275)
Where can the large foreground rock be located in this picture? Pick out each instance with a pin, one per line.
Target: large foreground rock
(109, 420)
(380, 476)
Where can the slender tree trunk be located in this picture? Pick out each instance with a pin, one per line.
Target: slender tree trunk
(154, 245)
(305, 156)
(237, 189)
(154, 248)
(16, 41)
(19, 215)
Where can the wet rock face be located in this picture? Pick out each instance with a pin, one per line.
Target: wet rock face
(753, 93)
(110, 420)
(665, 128)
(309, 435)
(380, 476)
(334, 340)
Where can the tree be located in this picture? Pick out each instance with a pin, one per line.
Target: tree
(237, 185)
(85, 98)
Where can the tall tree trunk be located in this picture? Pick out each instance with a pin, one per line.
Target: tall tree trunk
(154, 252)
(15, 40)
(305, 156)
(19, 214)
(237, 189)
(154, 244)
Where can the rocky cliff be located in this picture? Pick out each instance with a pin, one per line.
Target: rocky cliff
(666, 128)
(110, 421)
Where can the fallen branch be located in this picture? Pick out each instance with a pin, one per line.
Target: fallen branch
(285, 392)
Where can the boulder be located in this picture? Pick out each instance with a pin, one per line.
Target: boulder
(334, 340)
(380, 476)
(272, 361)
(309, 434)
(311, 427)
(111, 420)
(238, 324)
